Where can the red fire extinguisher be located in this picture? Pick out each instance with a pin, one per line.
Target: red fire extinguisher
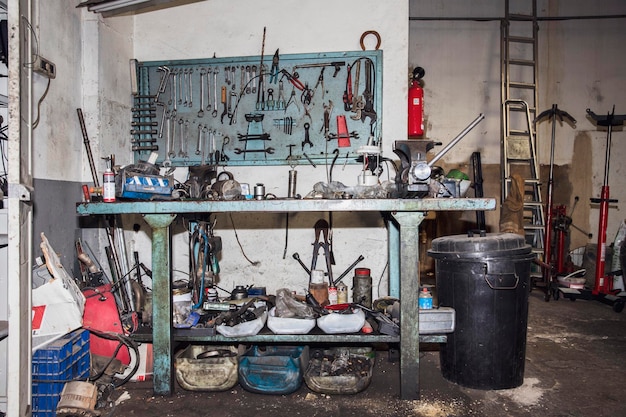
(416, 104)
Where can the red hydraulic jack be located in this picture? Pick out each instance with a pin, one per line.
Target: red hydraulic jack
(602, 290)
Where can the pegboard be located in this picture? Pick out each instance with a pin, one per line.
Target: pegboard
(226, 111)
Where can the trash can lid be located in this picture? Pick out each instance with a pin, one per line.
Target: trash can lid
(479, 246)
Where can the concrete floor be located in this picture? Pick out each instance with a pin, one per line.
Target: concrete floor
(575, 358)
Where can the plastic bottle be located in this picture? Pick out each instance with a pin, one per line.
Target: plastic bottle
(425, 299)
(332, 295)
(342, 293)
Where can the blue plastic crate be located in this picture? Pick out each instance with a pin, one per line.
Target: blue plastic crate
(63, 360)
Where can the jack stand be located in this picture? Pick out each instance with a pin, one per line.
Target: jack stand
(603, 288)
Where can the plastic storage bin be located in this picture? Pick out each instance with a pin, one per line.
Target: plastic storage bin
(340, 370)
(273, 369)
(64, 359)
(206, 367)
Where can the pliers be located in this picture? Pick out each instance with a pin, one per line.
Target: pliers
(293, 80)
(274, 70)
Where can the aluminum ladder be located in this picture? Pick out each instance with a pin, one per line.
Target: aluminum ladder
(519, 108)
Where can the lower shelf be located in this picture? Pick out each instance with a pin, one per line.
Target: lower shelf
(265, 336)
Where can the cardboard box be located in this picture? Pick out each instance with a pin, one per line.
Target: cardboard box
(57, 305)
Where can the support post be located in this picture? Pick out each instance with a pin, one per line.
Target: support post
(161, 302)
(409, 312)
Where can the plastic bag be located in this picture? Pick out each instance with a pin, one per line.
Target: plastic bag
(287, 306)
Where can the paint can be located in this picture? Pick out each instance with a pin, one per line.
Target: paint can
(362, 287)
(108, 186)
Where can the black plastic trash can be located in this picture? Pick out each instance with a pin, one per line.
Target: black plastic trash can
(486, 279)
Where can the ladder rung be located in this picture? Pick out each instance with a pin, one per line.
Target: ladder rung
(521, 109)
(521, 39)
(517, 133)
(531, 181)
(533, 204)
(519, 16)
(519, 84)
(525, 62)
(534, 227)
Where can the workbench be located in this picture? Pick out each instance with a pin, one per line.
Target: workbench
(404, 217)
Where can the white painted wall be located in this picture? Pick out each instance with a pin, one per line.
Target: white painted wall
(234, 28)
(580, 67)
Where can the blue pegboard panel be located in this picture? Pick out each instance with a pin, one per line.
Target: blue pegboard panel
(279, 110)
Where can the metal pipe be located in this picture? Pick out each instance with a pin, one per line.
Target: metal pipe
(92, 165)
(456, 140)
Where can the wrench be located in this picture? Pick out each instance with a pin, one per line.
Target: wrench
(172, 138)
(182, 137)
(201, 111)
(253, 79)
(248, 79)
(189, 80)
(226, 75)
(162, 121)
(168, 146)
(214, 114)
(232, 77)
(162, 84)
(208, 88)
(199, 142)
(269, 150)
(242, 80)
(306, 140)
(172, 89)
(175, 89)
(181, 74)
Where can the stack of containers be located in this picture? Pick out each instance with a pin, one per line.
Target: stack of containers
(61, 361)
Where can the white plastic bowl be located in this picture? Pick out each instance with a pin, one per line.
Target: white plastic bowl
(342, 323)
(288, 325)
(248, 328)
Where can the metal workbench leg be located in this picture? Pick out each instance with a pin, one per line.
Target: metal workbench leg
(163, 383)
(409, 312)
(393, 252)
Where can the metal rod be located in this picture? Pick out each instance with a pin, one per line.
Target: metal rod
(338, 280)
(92, 165)
(456, 140)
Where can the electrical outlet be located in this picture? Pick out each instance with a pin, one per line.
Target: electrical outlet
(44, 67)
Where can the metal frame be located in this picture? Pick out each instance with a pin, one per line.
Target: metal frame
(403, 233)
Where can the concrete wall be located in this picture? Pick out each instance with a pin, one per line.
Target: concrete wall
(580, 67)
(234, 28)
(91, 58)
